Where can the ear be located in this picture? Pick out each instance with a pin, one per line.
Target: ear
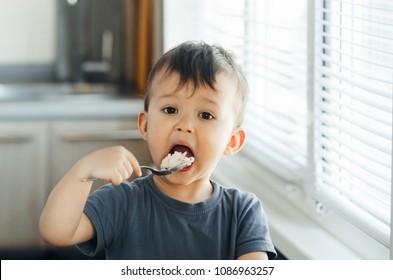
(236, 142)
(142, 124)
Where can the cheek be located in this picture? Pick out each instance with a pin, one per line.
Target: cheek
(215, 141)
(154, 126)
(156, 151)
(157, 138)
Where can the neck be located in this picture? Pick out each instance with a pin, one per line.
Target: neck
(194, 192)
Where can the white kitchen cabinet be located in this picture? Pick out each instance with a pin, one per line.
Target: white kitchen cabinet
(34, 155)
(72, 140)
(23, 181)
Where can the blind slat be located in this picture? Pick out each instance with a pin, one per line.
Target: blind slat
(354, 29)
(375, 213)
(369, 153)
(367, 74)
(361, 108)
(364, 19)
(376, 204)
(380, 130)
(286, 151)
(387, 93)
(380, 6)
(374, 177)
(356, 133)
(276, 162)
(324, 47)
(375, 102)
(365, 47)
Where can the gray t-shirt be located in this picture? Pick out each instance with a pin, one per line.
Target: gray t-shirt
(137, 221)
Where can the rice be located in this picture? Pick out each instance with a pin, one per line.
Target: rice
(175, 159)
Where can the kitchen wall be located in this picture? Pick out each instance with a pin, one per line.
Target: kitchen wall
(30, 48)
(27, 32)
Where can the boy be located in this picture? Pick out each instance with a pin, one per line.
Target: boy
(195, 104)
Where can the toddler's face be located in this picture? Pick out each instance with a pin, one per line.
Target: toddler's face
(200, 123)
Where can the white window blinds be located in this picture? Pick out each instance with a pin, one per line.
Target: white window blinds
(269, 38)
(353, 111)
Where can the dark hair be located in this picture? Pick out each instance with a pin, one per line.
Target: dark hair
(199, 63)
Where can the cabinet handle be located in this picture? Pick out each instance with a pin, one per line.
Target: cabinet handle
(14, 138)
(113, 135)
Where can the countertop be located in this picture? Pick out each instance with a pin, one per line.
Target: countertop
(71, 108)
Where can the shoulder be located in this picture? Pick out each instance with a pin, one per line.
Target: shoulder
(237, 195)
(125, 190)
(238, 199)
(116, 201)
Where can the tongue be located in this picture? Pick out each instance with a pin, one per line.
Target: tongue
(182, 149)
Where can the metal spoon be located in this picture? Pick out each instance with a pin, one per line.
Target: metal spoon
(164, 172)
(157, 172)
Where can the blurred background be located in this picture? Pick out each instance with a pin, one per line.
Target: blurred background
(319, 121)
(72, 76)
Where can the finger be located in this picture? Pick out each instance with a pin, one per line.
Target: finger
(116, 178)
(125, 174)
(134, 164)
(128, 168)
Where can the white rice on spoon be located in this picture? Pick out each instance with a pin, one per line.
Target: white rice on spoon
(175, 159)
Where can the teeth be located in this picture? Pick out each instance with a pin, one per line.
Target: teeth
(175, 159)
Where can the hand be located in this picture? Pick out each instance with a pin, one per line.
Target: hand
(113, 164)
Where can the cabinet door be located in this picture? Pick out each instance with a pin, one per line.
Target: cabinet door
(72, 140)
(23, 182)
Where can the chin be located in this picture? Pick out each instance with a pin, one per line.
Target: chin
(180, 179)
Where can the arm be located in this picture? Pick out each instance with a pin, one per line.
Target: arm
(62, 221)
(254, 256)
(254, 231)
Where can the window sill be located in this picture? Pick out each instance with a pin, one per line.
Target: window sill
(294, 233)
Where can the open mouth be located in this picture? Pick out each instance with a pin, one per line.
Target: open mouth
(183, 149)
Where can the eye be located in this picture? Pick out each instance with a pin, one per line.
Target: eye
(206, 116)
(169, 110)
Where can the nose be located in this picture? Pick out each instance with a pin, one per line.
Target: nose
(179, 129)
(185, 125)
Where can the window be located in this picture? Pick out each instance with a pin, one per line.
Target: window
(321, 81)
(353, 111)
